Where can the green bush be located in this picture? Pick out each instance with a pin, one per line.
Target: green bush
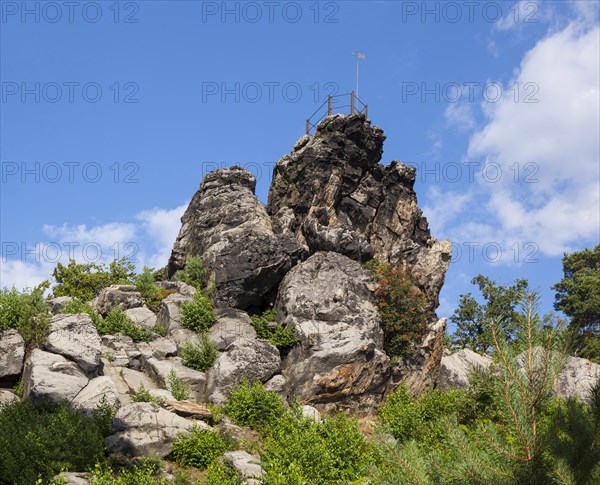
(193, 273)
(40, 440)
(177, 387)
(201, 356)
(252, 405)
(84, 281)
(143, 395)
(140, 474)
(199, 448)
(220, 474)
(401, 307)
(280, 337)
(199, 314)
(26, 312)
(300, 451)
(406, 417)
(146, 285)
(116, 321)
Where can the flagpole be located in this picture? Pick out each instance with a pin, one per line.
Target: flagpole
(358, 55)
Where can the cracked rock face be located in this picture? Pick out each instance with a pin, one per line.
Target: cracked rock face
(230, 230)
(332, 194)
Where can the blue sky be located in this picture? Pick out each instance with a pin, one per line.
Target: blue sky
(111, 113)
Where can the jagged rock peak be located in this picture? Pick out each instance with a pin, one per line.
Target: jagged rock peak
(331, 193)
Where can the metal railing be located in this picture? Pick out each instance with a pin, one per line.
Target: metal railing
(356, 106)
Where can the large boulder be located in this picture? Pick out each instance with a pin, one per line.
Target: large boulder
(230, 230)
(169, 313)
(58, 304)
(12, 353)
(577, 379)
(99, 391)
(51, 377)
(141, 429)
(75, 337)
(124, 296)
(231, 325)
(256, 360)
(247, 466)
(332, 194)
(455, 368)
(340, 359)
(142, 316)
(159, 371)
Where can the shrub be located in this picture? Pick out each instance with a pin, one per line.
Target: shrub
(146, 285)
(401, 307)
(193, 273)
(77, 306)
(280, 337)
(406, 417)
(26, 312)
(40, 440)
(199, 357)
(116, 321)
(199, 314)
(179, 389)
(301, 451)
(139, 474)
(252, 405)
(199, 448)
(143, 395)
(103, 416)
(84, 281)
(220, 474)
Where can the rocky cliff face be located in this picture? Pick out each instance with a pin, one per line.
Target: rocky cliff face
(331, 193)
(331, 206)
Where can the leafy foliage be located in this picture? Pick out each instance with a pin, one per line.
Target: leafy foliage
(146, 284)
(77, 306)
(116, 321)
(281, 337)
(26, 312)
(139, 474)
(199, 314)
(84, 281)
(193, 274)
(220, 474)
(40, 440)
(179, 389)
(252, 405)
(143, 395)
(578, 296)
(200, 356)
(528, 437)
(402, 306)
(473, 319)
(300, 451)
(199, 448)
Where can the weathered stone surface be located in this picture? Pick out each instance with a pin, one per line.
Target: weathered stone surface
(121, 351)
(160, 348)
(12, 353)
(455, 368)
(343, 200)
(98, 390)
(142, 316)
(170, 309)
(75, 337)
(577, 378)
(340, 358)
(311, 413)
(276, 384)
(146, 429)
(420, 368)
(256, 360)
(124, 296)
(231, 325)
(58, 304)
(189, 409)
(7, 396)
(182, 335)
(135, 380)
(230, 230)
(52, 377)
(247, 466)
(178, 286)
(159, 370)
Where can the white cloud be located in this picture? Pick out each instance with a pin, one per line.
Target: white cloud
(460, 116)
(147, 242)
(442, 208)
(520, 14)
(559, 134)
